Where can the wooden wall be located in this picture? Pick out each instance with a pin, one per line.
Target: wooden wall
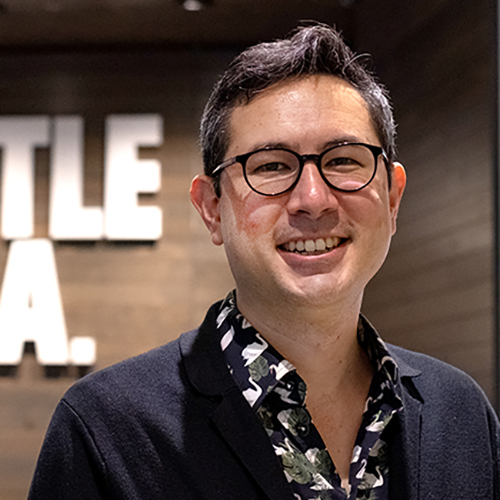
(433, 295)
(435, 292)
(130, 297)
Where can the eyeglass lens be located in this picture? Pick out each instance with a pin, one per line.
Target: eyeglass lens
(347, 167)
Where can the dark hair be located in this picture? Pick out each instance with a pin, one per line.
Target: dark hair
(308, 50)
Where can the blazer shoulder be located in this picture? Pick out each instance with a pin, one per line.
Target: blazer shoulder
(438, 381)
(155, 373)
(423, 362)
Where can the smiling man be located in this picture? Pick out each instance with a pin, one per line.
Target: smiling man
(285, 391)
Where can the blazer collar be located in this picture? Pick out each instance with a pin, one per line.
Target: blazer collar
(203, 358)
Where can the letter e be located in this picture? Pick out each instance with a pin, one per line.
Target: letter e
(126, 176)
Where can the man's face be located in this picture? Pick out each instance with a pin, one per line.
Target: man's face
(259, 232)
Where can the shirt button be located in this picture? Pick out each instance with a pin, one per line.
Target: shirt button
(302, 429)
(290, 386)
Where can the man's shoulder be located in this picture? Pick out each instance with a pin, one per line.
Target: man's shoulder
(155, 373)
(413, 363)
(169, 373)
(438, 382)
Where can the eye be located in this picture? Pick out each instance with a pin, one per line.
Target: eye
(341, 164)
(272, 167)
(269, 169)
(272, 164)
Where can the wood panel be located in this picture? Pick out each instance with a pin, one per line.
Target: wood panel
(435, 292)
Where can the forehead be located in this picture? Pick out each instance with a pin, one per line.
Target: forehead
(302, 114)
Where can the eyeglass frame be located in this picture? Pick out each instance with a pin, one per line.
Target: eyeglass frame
(316, 158)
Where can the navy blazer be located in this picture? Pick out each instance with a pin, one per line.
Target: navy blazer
(172, 424)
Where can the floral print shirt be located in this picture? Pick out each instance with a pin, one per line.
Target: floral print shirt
(277, 394)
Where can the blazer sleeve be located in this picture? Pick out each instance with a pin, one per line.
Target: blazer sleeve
(69, 465)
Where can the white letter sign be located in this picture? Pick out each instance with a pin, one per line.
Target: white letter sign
(126, 176)
(68, 218)
(31, 309)
(18, 137)
(30, 303)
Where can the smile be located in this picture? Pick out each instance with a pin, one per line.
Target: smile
(313, 247)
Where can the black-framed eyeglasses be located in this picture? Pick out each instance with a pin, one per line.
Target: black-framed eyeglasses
(273, 171)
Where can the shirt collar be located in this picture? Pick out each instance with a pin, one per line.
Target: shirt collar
(257, 366)
(376, 349)
(254, 364)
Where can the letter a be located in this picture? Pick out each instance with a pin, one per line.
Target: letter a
(30, 305)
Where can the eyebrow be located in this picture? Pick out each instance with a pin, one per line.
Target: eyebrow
(341, 140)
(329, 144)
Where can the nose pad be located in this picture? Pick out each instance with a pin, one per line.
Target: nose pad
(311, 176)
(312, 194)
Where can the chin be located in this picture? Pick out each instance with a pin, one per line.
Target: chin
(315, 290)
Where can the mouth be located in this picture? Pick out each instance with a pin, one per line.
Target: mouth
(318, 246)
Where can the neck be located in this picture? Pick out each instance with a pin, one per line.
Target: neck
(320, 340)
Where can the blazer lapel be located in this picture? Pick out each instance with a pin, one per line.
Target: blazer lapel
(405, 444)
(235, 420)
(405, 453)
(240, 428)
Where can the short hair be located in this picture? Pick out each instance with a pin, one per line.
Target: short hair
(306, 51)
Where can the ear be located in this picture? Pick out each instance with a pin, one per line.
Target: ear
(396, 192)
(205, 200)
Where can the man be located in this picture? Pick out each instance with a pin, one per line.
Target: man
(285, 391)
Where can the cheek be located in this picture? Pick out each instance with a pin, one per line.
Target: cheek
(249, 222)
(371, 225)
(249, 218)
(370, 207)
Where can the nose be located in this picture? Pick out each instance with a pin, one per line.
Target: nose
(311, 195)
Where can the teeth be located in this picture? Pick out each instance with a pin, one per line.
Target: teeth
(320, 244)
(311, 246)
